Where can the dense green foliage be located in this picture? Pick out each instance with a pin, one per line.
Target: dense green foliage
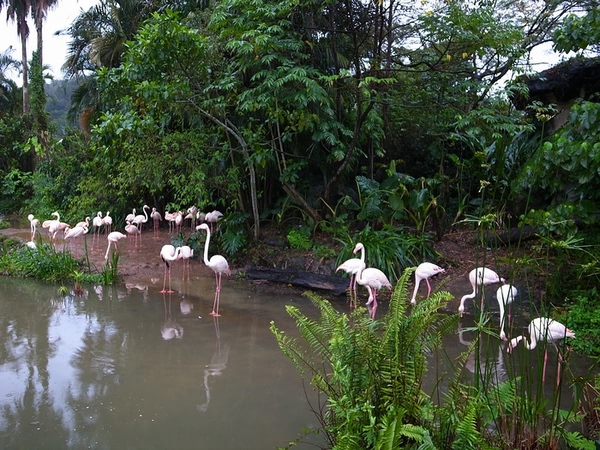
(46, 264)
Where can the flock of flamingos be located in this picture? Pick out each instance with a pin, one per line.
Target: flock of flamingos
(540, 329)
(133, 228)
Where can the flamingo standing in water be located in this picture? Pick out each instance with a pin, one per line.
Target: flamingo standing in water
(33, 224)
(425, 271)
(168, 254)
(113, 238)
(75, 233)
(354, 265)
(218, 264)
(544, 329)
(478, 277)
(53, 226)
(505, 295)
(156, 218)
(373, 279)
(186, 253)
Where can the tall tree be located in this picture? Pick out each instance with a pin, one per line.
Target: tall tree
(39, 9)
(17, 11)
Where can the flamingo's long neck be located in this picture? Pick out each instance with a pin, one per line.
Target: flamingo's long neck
(206, 243)
(532, 342)
(145, 214)
(362, 254)
(417, 282)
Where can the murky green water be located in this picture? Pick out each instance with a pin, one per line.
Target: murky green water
(136, 369)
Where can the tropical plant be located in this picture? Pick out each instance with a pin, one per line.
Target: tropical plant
(370, 372)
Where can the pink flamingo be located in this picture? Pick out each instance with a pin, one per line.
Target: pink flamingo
(212, 218)
(373, 279)
(170, 217)
(478, 277)
(113, 237)
(107, 222)
(84, 223)
(423, 272)
(544, 329)
(185, 254)
(134, 231)
(156, 219)
(33, 224)
(141, 219)
(168, 254)
(129, 217)
(218, 264)
(354, 265)
(97, 224)
(75, 233)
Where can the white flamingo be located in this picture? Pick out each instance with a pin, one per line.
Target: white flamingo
(33, 225)
(141, 219)
(354, 265)
(113, 238)
(425, 271)
(219, 266)
(373, 279)
(479, 277)
(544, 329)
(168, 254)
(505, 295)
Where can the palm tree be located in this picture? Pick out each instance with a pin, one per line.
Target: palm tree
(98, 38)
(9, 90)
(17, 11)
(39, 8)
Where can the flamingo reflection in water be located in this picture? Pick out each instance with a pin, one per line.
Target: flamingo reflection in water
(217, 365)
(170, 328)
(485, 365)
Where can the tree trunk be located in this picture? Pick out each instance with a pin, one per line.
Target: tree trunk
(25, 73)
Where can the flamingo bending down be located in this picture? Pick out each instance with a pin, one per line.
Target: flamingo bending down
(33, 224)
(113, 237)
(156, 218)
(168, 254)
(373, 279)
(212, 218)
(425, 271)
(354, 265)
(505, 295)
(479, 277)
(75, 233)
(218, 264)
(544, 329)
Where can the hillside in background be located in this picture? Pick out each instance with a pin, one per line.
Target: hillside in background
(58, 102)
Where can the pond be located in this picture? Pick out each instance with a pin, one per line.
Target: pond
(128, 367)
(125, 366)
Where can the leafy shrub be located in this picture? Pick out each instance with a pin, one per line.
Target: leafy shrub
(582, 313)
